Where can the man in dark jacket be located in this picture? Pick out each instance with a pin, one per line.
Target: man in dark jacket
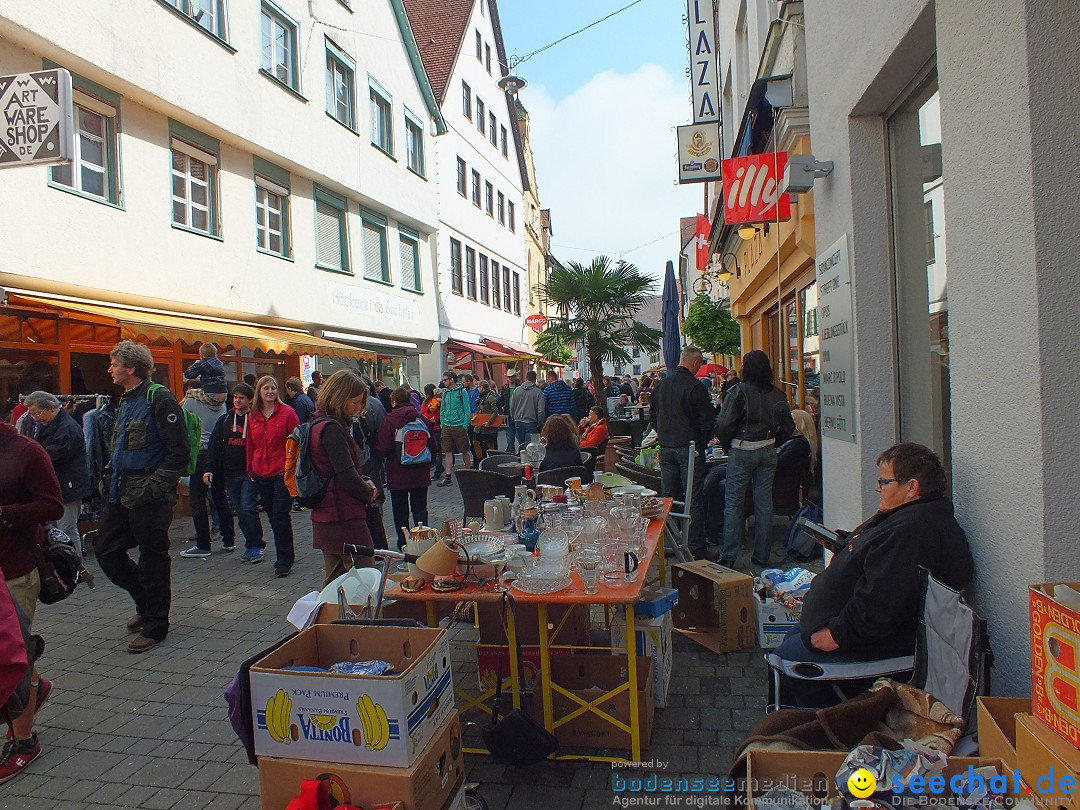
(865, 605)
(298, 400)
(226, 470)
(681, 412)
(149, 454)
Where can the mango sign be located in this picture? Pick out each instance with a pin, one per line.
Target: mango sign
(536, 322)
(36, 118)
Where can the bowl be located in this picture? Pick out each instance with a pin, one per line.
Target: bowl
(483, 554)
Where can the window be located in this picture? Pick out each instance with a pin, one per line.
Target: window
(409, 252)
(455, 266)
(331, 232)
(414, 145)
(194, 185)
(502, 139)
(637, 352)
(506, 288)
(637, 371)
(487, 58)
(479, 47)
(510, 216)
(279, 47)
(470, 273)
(492, 134)
(485, 291)
(476, 188)
(495, 297)
(339, 86)
(517, 293)
(382, 122)
(94, 169)
(502, 209)
(461, 177)
(466, 100)
(271, 208)
(207, 14)
(489, 199)
(480, 120)
(376, 261)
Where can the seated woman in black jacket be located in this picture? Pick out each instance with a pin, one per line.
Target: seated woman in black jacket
(562, 443)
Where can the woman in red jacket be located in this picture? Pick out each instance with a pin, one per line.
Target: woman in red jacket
(408, 483)
(340, 516)
(269, 425)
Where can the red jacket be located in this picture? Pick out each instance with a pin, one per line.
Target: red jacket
(29, 496)
(266, 440)
(429, 409)
(398, 476)
(595, 435)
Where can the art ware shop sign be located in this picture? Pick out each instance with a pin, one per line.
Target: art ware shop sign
(36, 118)
(837, 336)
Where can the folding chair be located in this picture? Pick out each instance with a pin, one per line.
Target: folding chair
(677, 528)
(952, 657)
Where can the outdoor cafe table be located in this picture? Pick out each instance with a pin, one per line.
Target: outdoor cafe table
(625, 597)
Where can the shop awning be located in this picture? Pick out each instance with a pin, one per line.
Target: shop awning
(152, 325)
(481, 352)
(519, 351)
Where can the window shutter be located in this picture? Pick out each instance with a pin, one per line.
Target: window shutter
(410, 272)
(328, 235)
(373, 252)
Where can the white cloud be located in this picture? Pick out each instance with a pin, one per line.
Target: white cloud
(606, 166)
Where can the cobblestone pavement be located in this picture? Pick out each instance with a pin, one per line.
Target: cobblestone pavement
(151, 731)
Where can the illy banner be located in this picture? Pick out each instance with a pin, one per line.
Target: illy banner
(752, 189)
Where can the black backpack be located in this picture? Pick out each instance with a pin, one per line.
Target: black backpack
(58, 566)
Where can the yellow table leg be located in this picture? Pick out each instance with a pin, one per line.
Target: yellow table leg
(631, 672)
(545, 667)
(515, 673)
(662, 553)
(432, 616)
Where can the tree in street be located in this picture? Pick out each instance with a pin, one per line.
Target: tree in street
(710, 326)
(597, 303)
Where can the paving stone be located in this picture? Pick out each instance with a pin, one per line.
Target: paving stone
(544, 797)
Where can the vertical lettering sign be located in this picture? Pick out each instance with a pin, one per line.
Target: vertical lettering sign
(37, 123)
(752, 189)
(837, 342)
(701, 18)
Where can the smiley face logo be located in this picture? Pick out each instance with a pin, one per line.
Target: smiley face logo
(862, 783)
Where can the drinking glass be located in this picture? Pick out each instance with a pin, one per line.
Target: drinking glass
(620, 565)
(588, 562)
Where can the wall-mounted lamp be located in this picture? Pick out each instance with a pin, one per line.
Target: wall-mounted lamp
(802, 171)
(748, 232)
(724, 271)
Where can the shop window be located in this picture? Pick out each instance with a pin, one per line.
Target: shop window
(10, 330)
(811, 346)
(23, 371)
(919, 251)
(41, 331)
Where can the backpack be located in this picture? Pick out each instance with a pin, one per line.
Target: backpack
(302, 479)
(194, 430)
(58, 566)
(414, 440)
(798, 542)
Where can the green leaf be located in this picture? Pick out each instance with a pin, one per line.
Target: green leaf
(711, 327)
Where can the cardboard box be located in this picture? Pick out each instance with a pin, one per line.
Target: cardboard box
(575, 630)
(367, 720)
(589, 677)
(435, 778)
(716, 606)
(1055, 661)
(655, 601)
(487, 664)
(394, 609)
(774, 622)
(997, 727)
(1043, 758)
(653, 641)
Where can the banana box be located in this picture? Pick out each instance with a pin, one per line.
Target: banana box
(653, 640)
(360, 719)
(1055, 661)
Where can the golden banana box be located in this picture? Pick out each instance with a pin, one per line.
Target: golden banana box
(1055, 662)
(360, 719)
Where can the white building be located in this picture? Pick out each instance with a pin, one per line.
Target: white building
(480, 179)
(256, 174)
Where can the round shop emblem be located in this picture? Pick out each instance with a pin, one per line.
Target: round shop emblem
(171, 418)
(710, 165)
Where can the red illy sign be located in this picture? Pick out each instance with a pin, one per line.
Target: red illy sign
(752, 189)
(536, 322)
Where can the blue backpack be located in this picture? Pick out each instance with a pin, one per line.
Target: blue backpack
(414, 439)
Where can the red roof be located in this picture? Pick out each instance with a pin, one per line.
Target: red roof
(545, 219)
(439, 28)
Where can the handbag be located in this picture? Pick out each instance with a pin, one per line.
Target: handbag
(517, 739)
(58, 566)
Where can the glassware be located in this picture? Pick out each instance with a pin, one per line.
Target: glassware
(588, 562)
(535, 450)
(553, 544)
(620, 565)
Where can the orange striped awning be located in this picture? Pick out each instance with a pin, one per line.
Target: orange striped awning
(152, 325)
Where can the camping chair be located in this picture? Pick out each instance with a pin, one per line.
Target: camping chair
(477, 486)
(677, 534)
(952, 657)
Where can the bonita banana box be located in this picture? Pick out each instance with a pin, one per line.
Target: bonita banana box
(364, 720)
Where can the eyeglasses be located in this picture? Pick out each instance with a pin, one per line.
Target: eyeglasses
(884, 482)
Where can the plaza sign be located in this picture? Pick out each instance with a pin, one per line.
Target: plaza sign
(701, 18)
(752, 189)
(36, 126)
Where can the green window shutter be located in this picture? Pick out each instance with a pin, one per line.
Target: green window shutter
(328, 227)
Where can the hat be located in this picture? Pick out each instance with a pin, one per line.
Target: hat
(511, 372)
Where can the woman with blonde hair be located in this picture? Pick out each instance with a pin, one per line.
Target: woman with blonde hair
(270, 424)
(341, 516)
(804, 428)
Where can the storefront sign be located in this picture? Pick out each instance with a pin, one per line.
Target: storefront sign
(837, 342)
(37, 121)
(307, 365)
(752, 189)
(700, 152)
(701, 18)
(537, 322)
(362, 301)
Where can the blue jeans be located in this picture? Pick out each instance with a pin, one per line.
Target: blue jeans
(522, 432)
(674, 465)
(749, 468)
(277, 503)
(243, 496)
(511, 435)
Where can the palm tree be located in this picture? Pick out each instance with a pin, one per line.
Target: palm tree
(597, 304)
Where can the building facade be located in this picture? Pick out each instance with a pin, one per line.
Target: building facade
(258, 175)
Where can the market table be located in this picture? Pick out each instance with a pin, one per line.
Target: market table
(625, 596)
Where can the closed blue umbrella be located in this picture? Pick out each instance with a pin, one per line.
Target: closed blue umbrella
(670, 323)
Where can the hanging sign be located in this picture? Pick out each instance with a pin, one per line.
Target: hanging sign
(752, 189)
(701, 19)
(36, 126)
(537, 322)
(700, 153)
(837, 342)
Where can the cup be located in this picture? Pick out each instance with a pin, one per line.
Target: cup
(620, 565)
(573, 483)
(548, 491)
(588, 562)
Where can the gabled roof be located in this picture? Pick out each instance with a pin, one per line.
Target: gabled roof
(545, 219)
(687, 230)
(416, 62)
(439, 27)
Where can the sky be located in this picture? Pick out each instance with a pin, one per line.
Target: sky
(604, 106)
